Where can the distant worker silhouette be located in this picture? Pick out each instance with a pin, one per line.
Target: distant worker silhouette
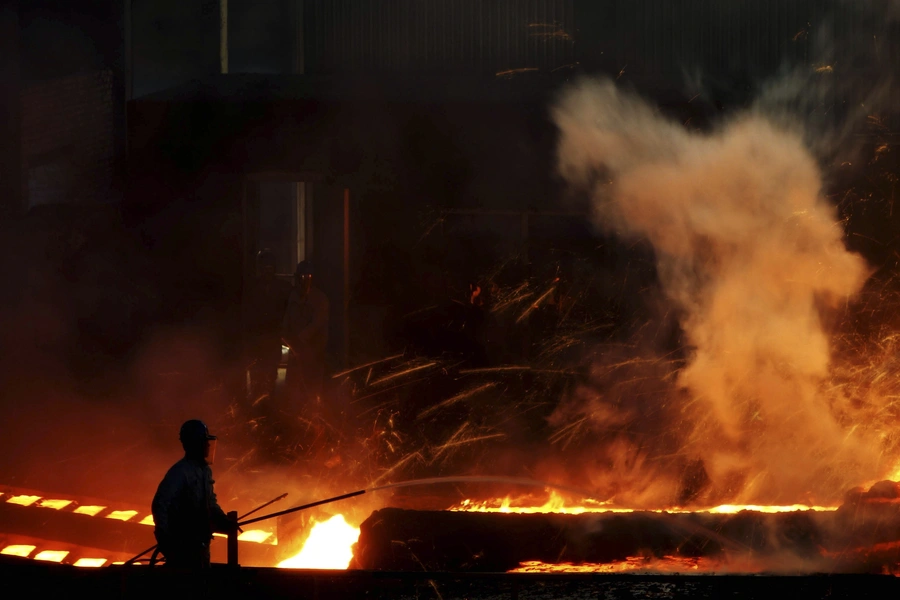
(185, 510)
(305, 331)
(264, 305)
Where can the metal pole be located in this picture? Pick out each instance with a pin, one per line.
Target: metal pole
(223, 35)
(305, 506)
(233, 541)
(262, 506)
(346, 293)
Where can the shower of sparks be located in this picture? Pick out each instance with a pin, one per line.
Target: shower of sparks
(457, 398)
(403, 373)
(548, 31)
(367, 366)
(536, 304)
(397, 467)
(509, 72)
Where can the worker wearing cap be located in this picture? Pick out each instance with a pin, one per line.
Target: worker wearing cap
(264, 305)
(185, 510)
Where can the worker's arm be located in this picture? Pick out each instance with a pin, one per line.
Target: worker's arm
(219, 520)
(167, 494)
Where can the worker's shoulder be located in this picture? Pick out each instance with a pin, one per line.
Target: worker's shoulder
(186, 466)
(317, 295)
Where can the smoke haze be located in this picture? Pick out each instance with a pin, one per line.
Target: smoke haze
(750, 256)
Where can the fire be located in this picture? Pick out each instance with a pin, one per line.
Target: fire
(557, 504)
(666, 564)
(329, 546)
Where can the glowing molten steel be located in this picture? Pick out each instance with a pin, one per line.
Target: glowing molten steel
(18, 550)
(52, 555)
(329, 546)
(556, 504)
(90, 562)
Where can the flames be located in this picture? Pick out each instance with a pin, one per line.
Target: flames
(329, 546)
(557, 504)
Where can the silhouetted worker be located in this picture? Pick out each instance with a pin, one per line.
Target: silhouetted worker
(305, 332)
(264, 308)
(185, 510)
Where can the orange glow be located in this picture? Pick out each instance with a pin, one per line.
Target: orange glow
(668, 564)
(736, 508)
(255, 535)
(329, 546)
(20, 550)
(24, 500)
(148, 520)
(52, 555)
(121, 515)
(88, 510)
(54, 504)
(90, 562)
(556, 504)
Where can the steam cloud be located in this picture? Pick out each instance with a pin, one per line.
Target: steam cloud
(749, 255)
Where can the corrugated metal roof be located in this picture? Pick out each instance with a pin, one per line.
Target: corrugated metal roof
(438, 36)
(754, 36)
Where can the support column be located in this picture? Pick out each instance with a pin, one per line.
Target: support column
(12, 196)
(233, 541)
(346, 314)
(223, 36)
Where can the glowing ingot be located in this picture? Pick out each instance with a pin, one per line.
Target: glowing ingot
(24, 500)
(52, 555)
(88, 510)
(121, 515)
(19, 550)
(255, 535)
(90, 562)
(54, 504)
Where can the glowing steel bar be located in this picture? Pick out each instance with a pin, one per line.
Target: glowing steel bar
(20, 550)
(52, 555)
(90, 562)
(121, 515)
(24, 500)
(54, 504)
(255, 535)
(148, 520)
(88, 510)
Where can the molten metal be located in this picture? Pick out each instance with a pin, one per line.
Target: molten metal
(329, 546)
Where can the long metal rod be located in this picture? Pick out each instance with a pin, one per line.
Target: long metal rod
(262, 506)
(305, 506)
(258, 508)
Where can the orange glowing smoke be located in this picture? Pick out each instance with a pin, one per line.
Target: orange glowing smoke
(329, 546)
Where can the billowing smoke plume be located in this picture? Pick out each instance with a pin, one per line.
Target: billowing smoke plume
(750, 256)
